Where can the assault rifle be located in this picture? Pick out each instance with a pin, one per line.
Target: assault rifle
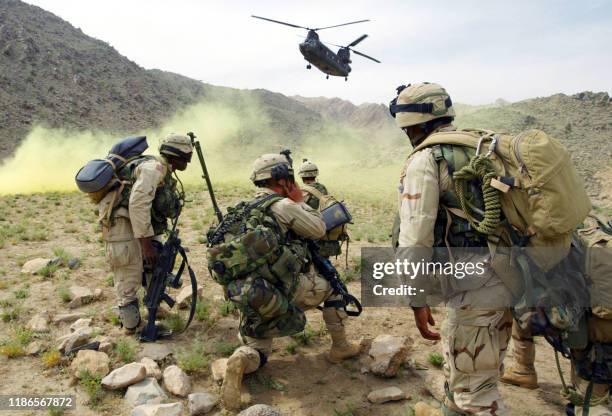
(329, 272)
(161, 278)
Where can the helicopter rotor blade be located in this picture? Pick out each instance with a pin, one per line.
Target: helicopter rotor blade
(365, 56)
(343, 24)
(356, 41)
(282, 23)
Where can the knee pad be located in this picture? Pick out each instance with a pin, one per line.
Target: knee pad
(333, 315)
(130, 315)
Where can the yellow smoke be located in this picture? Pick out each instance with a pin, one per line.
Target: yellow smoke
(48, 159)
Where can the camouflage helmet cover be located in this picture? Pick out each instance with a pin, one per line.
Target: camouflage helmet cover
(177, 145)
(419, 103)
(308, 169)
(264, 166)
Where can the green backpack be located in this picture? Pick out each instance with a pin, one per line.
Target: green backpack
(249, 240)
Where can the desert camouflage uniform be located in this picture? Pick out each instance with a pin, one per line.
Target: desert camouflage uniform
(327, 248)
(127, 215)
(475, 334)
(312, 200)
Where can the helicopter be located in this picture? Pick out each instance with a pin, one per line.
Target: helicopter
(319, 55)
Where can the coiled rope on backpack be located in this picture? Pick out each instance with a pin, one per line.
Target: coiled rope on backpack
(481, 169)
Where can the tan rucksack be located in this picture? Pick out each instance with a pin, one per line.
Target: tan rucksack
(325, 201)
(540, 192)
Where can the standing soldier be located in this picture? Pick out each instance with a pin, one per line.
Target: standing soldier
(272, 299)
(134, 218)
(476, 333)
(315, 193)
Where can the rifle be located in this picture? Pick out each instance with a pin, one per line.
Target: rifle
(161, 277)
(329, 272)
(205, 175)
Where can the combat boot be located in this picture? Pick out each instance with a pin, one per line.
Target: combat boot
(423, 409)
(341, 348)
(599, 410)
(521, 376)
(243, 361)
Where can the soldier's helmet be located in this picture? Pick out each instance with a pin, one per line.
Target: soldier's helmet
(271, 166)
(177, 145)
(308, 169)
(419, 103)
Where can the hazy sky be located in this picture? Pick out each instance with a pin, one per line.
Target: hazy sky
(479, 50)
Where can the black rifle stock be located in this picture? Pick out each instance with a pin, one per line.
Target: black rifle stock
(161, 278)
(329, 272)
(196, 144)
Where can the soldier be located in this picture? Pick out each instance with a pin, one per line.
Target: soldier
(268, 310)
(313, 192)
(476, 333)
(134, 218)
(309, 172)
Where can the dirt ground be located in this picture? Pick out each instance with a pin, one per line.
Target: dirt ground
(298, 380)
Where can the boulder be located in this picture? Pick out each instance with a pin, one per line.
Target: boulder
(80, 323)
(386, 395)
(155, 351)
(35, 265)
(147, 391)
(388, 352)
(218, 368)
(97, 293)
(124, 376)
(39, 322)
(152, 368)
(34, 348)
(260, 410)
(79, 296)
(68, 317)
(96, 362)
(201, 403)
(74, 340)
(176, 381)
(184, 296)
(434, 384)
(169, 409)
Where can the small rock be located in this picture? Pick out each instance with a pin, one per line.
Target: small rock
(35, 265)
(39, 322)
(68, 317)
(157, 352)
(434, 382)
(95, 362)
(97, 293)
(176, 381)
(386, 395)
(170, 409)
(218, 368)
(79, 296)
(125, 376)
(388, 353)
(152, 368)
(106, 345)
(74, 263)
(145, 392)
(184, 296)
(260, 410)
(80, 324)
(34, 348)
(74, 340)
(201, 403)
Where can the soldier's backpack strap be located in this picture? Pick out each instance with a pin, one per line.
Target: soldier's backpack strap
(312, 190)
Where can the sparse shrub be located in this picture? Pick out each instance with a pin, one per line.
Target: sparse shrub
(174, 322)
(225, 348)
(63, 255)
(23, 335)
(51, 358)
(12, 349)
(226, 308)
(292, 347)
(92, 384)
(110, 280)
(11, 314)
(436, 359)
(125, 349)
(202, 312)
(194, 360)
(306, 336)
(22, 293)
(64, 294)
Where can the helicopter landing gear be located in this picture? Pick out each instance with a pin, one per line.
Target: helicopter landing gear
(346, 78)
(308, 66)
(327, 77)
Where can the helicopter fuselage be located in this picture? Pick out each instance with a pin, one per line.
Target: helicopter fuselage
(319, 55)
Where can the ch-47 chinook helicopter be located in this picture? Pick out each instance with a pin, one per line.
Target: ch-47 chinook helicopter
(319, 55)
